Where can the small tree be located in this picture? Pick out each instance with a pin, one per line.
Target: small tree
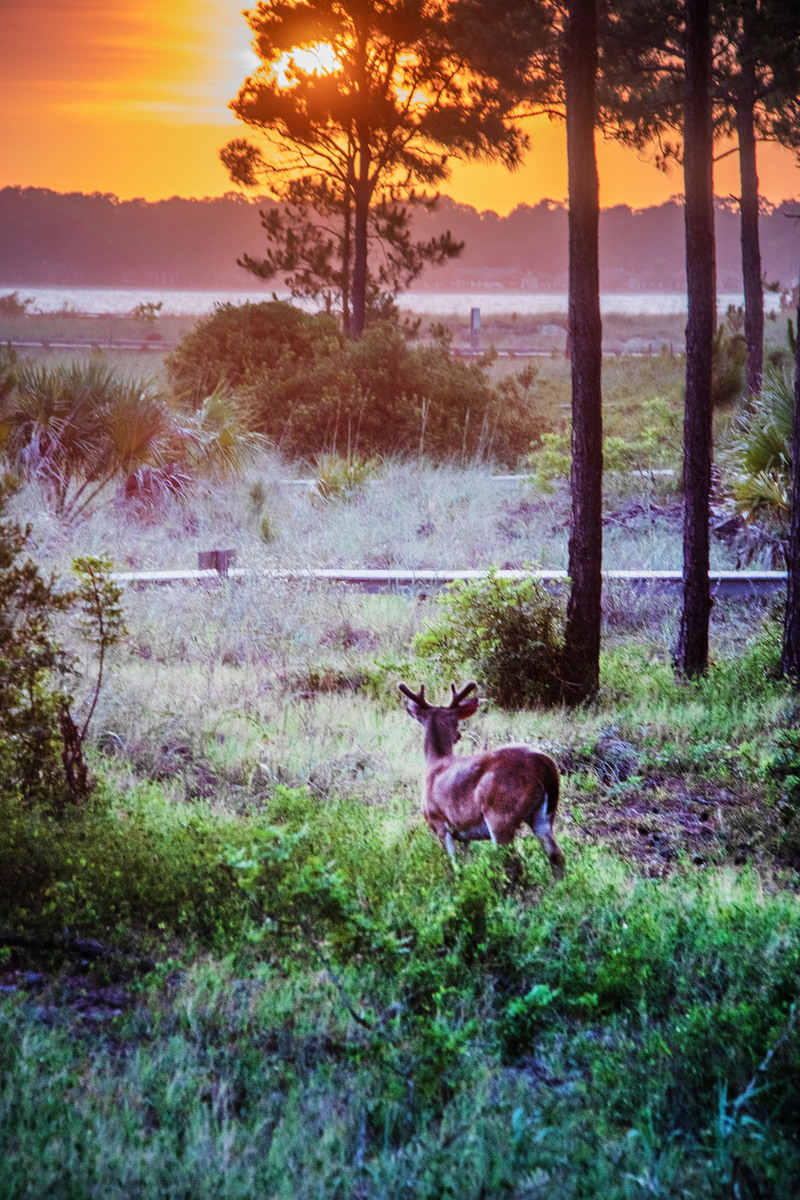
(41, 745)
(102, 624)
(33, 668)
(509, 633)
(358, 103)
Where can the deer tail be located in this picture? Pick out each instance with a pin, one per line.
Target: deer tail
(551, 783)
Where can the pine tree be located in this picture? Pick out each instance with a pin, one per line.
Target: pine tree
(358, 104)
(692, 652)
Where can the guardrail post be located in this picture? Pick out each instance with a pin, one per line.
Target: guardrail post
(216, 560)
(474, 327)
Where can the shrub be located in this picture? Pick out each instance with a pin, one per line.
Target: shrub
(12, 306)
(508, 632)
(551, 459)
(728, 362)
(312, 392)
(41, 746)
(32, 670)
(338, 478)
(78, 427)
(431, 404)
(764, 447)
(269, 346)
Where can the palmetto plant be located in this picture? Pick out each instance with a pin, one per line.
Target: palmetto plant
(77, 427)
(217, 438)
(764, 444)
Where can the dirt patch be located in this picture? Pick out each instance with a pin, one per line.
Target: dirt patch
(55, 997)
(665, 820)
(638, 513)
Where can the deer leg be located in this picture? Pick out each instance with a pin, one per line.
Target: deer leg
(542, 827)
(448, 842)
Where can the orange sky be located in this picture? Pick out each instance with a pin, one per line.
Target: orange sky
(130, 97)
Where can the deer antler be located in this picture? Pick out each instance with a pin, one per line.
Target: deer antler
(459, 696)
(417, 697)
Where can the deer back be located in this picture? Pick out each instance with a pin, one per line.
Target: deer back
(510, 784)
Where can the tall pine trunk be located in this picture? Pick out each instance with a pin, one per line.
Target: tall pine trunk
(358, 312)
(790, 658)
(347, 250)
(751, 247)
(582, 634)
(692, 651)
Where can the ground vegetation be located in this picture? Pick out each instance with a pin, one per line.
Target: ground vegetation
(313, 392)
(243, 963)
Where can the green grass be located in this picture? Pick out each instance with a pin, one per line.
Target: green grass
(334, 1012)
(377, 1027)
(408, 515)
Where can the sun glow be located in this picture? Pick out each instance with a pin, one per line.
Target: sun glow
(317, 59)
(133, 98)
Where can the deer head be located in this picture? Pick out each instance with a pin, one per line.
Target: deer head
(440, 722)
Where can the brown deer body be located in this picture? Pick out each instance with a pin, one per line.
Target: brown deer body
(484, 796)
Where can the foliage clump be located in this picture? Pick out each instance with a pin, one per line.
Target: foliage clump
(728, 363)
(41, 746)
(240, 345)
(509, 633)
(655, 446)
(78, 427)
(763, 446)
(33, 669)
(13, 305)
(339, 478)
(313, 392)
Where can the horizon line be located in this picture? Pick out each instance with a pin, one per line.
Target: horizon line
(725, 202)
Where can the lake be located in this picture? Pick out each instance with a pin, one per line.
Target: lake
(197, 302)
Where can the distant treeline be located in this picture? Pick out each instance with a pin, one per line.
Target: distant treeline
(47, 238)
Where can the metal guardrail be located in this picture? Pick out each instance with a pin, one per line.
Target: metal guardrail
(89, 343)
(724, 584)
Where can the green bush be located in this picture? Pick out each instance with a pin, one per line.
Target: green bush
(763, 446)
(269, 345)
(339, 478)
(313, 392)
(728, 363)
(41, 746)
(33, 669)
(508, 633)
(136, 862)
(80, 427)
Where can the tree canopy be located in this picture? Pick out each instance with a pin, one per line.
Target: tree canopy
(358, 104)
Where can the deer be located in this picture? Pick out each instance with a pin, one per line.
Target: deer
(482, 797)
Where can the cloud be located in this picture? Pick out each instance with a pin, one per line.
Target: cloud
(67, 55)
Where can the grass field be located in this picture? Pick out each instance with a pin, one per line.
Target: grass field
(244, 967)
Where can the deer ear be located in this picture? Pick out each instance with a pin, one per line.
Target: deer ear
(414, 710)
(467, 708)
